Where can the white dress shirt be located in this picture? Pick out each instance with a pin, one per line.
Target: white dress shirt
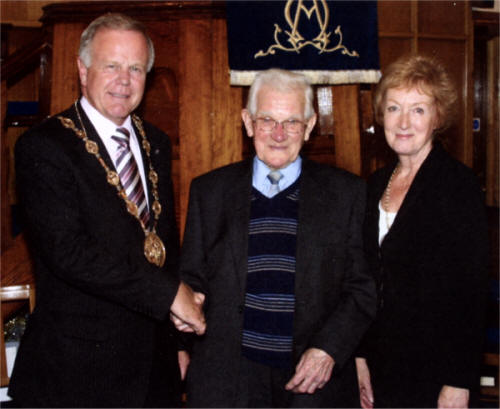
(106, 129)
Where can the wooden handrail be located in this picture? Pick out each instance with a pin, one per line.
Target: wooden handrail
(37, 55)
(34, 53)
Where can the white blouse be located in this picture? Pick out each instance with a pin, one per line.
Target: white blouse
(384, 222)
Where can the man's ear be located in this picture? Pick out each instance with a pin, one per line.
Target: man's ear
(309, 127)
(247, 120)
(82, 72)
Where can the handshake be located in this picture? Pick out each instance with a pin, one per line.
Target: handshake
(186, 311)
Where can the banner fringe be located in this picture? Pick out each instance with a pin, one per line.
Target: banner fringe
(316, 76)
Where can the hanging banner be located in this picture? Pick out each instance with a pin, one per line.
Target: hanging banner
(331, 42)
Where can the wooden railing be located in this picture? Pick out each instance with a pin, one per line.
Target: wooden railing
(16, 264)
(27, 59)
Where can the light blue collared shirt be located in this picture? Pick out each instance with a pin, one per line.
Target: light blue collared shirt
(261, 182)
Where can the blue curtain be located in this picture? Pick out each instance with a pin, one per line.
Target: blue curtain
(331, 42)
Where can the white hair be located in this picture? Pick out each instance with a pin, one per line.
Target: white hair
(283, 81)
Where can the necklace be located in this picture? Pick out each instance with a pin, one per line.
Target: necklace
(154, 249)
(387, 198)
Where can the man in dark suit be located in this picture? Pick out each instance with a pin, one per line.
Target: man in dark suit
(275, 245)
(100, 219)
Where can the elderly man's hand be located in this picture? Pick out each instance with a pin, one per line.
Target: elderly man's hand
(452, 397)
(312, 372)
(186, 310)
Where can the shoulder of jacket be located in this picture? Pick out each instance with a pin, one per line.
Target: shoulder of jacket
(236, 170)
(330, 174)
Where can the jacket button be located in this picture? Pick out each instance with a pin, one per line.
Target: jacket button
(241, 308)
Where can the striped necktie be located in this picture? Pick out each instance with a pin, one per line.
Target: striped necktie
(130, 178)
(274, 177)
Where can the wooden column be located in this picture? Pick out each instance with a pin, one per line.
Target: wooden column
(195, 104)
(209, 113)
(492, 145)
(346, 126)
(65, 82)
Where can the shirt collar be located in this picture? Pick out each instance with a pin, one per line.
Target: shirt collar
(290, 173)
(104, 127)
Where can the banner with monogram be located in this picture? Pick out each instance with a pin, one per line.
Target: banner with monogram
(331, 42)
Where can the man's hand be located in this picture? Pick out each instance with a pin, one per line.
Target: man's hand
(312, 372)
(451, 397)
(365, 385)
(186, 310)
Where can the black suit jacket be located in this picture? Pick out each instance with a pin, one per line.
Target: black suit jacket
(431, 270)
(335, 298)
(101, 317)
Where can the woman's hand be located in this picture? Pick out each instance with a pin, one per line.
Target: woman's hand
(451, 397)
(365, 385)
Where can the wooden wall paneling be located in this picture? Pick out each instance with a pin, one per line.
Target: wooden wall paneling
(346, 125)
(468, 89)
(209, 112)
(453, 54)
(26, 85)
(24, 13)
(492, 145)
(195, 104)
(445, 30)
(446, 18)
(160, 105)
(5, 211)
(6, 225)
(320, 146)
(396, 29)
(392, 47)
(226, 103)
(65, 82)
(395, 17)
(375, 152)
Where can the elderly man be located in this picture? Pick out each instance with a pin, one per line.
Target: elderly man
(275, 244)
(96, 188)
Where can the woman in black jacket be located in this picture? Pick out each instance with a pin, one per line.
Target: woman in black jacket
(426, 243)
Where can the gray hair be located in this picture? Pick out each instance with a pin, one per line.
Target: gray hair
(113, 21)
(283, 81)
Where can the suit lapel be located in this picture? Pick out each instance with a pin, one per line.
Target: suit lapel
(237, 207)
(104, 190)
(374, 197)
(312, 204)
(92, 135)
(423, 179)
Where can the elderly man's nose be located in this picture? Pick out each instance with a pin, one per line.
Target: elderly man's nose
(279, 133)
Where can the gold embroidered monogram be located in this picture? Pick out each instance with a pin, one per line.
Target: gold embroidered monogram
(321, 41)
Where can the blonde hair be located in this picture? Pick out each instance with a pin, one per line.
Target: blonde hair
(429, 76)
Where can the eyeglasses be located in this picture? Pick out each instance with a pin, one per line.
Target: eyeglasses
(291, 126)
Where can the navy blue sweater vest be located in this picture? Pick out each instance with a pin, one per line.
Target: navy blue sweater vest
(270, 292)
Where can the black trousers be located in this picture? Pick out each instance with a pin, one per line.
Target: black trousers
(261, 386)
